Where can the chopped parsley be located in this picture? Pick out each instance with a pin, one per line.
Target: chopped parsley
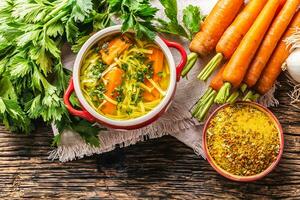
(124, 67)
(140, 57)
(160, 74)
(119, 93)
(98, 69)
(140, 75)
(99, 91)
(149, 71)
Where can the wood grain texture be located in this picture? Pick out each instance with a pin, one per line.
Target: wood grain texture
(158, 169)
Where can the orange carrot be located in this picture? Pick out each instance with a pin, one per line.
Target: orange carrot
(214, 26)
(114, 80)
(233, 36)
(238, 64)
(270, 41)
(157, 58)
(114, 48)
(150, 96)
(217, 81)
(240, 26)
(282, 2)
(273, 68)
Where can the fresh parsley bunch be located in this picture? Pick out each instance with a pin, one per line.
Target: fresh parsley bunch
(32, 77)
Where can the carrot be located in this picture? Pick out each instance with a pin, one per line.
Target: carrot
(114, 80)
(273, 68)
(233, 36)
(273, 36)
(217, 82)
(150, 96)
(214, 26)
(238, 64)
(157, 58)
(240, 26)
(114, 48)
(205, 102)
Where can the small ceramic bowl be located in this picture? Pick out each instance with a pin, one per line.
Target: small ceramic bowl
(92, 115)
(232, 176)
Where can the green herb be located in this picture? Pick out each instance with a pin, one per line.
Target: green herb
(98, 92)
(149, 70)
(191, 19)
(172, 27)
(140, 75)
(160, 74)
(119, 93)
(10, 109)
(137, 15)
(31, 73)
(84, 128)
(98, 69)
(124, 66)
(140, 57)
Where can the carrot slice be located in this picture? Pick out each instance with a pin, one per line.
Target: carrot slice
(150, 96)
(114, 48)
(157, 58)
(114, 80)
(214, 26)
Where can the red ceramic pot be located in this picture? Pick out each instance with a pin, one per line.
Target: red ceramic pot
(88, 113)
(232, 176)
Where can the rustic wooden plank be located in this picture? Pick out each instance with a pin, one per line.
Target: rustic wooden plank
(158, 169)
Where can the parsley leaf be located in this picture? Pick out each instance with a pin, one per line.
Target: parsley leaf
(11, 113)
(137, 15)
(173, 27)
(192, 19)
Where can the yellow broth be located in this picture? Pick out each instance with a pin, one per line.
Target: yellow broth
(123, 77)
(243, 140)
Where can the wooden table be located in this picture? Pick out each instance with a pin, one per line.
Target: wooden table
(160, 169)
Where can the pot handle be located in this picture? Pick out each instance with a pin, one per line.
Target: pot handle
(79, 113)
(183, 54)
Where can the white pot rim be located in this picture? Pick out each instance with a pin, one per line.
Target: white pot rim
(122, 123)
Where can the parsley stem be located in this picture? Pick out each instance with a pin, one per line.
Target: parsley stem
(210, 67)
(56, 10)
(248, 96)
(244, 87)
(204, 110)
(233, 97)
(223, 93)
(203, 101)
(192, 58)
(55, 19)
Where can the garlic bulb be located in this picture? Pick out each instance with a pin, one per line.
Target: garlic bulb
(293, 64)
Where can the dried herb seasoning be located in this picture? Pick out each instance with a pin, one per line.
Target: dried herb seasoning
(243, 140)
